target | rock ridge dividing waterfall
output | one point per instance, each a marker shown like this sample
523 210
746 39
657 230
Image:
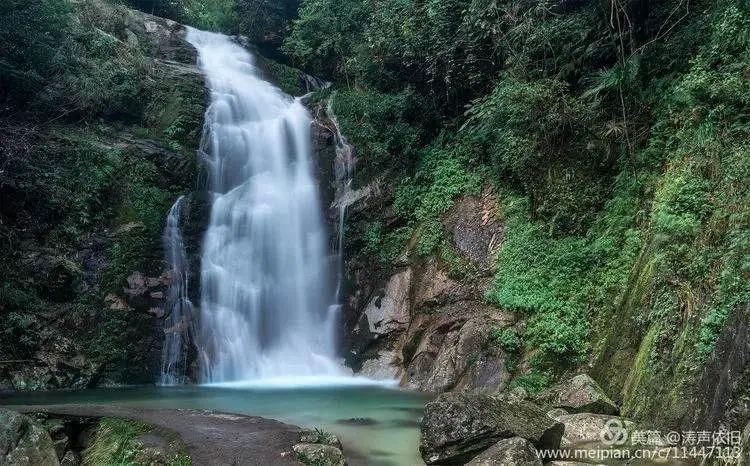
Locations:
268 300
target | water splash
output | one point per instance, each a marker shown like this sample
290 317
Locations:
179 309
266 288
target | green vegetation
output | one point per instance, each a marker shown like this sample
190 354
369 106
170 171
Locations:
97 142
211 15
116 442
615 137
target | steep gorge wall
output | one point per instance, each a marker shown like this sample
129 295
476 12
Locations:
84 198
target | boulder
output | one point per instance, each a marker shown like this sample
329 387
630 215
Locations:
581 394
23 442
318 454
321 437
584 429
457 426
514 451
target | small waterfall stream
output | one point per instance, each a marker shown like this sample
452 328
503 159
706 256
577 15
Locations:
344 165
179 309
267 297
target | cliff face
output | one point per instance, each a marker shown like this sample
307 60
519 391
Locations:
585 213
85 191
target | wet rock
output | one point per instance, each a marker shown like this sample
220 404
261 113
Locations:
514 451
318 454
23 442
581 394
457 426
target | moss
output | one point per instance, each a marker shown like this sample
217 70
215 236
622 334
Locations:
288 79
116 441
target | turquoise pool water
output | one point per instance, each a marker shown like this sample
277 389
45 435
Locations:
378 425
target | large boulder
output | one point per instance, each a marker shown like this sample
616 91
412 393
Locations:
581 394
318 454
586 429
457 426
514 451
23 442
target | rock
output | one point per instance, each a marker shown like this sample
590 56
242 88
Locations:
142 294
71 458
382 367
457 426
390 311
581 394
450 352
513 451
476 229
557 412
23 442
745 455
318 454
583 429
320 437
519 393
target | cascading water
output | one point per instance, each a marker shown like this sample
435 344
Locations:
179 310
266 294
344 165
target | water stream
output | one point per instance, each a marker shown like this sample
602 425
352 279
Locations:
268 304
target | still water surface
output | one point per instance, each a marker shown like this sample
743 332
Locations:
378 425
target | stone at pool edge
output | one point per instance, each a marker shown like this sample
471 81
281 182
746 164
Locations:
22 441
458 426
319 448
319 454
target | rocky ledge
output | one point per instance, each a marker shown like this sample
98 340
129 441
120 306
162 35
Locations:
71 434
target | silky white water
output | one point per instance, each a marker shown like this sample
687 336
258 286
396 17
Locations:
267 301
179 310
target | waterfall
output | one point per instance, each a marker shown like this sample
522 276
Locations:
344 164
179 309
267 300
